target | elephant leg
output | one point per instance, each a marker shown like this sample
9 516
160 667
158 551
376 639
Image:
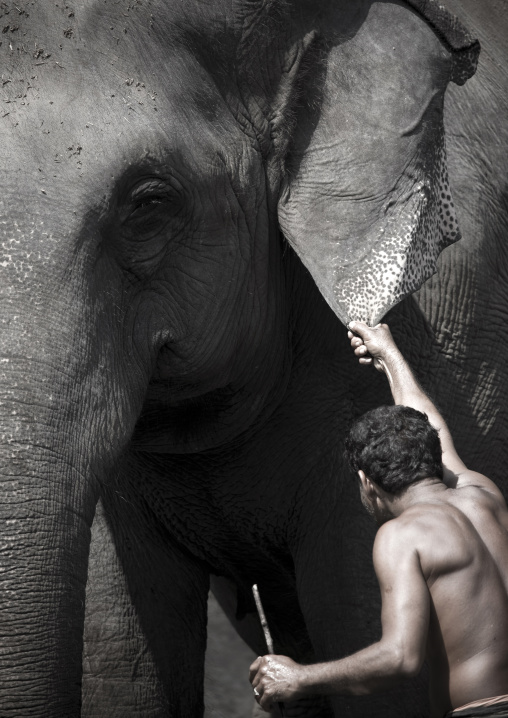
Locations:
118 666
145 621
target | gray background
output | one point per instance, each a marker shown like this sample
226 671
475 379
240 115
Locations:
228 693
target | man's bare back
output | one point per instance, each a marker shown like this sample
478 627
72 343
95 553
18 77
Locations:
461 538
440 556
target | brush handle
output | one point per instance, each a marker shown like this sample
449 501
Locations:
266 631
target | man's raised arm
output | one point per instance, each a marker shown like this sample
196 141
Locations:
375 345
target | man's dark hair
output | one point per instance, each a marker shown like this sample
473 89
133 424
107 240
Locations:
395 446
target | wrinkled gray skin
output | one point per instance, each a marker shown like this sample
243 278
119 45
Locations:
162 347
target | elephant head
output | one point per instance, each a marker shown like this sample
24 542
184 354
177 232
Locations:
151 154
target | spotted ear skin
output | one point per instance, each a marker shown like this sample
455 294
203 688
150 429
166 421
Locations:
407 247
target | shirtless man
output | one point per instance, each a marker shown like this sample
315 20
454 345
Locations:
440 556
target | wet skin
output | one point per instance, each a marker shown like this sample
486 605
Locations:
461 538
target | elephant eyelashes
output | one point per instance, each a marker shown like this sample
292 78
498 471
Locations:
146 203
152 200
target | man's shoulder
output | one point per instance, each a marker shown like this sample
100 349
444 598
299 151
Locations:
396 549
400 534
414 528
473 480
485 509
425 537
480 492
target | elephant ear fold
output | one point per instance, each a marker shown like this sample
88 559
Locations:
366 202
464 48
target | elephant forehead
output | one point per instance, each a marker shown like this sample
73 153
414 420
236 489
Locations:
104 60
125 35
75 123
72 116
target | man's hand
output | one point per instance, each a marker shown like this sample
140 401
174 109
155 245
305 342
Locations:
372 344
276 679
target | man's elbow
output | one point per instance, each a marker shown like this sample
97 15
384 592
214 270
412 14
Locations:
397 664
406 663
411 667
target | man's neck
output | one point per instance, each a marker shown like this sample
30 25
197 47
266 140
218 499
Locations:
424 491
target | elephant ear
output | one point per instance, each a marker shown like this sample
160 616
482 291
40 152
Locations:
366 203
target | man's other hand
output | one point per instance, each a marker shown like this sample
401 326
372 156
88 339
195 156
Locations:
372 345
276 679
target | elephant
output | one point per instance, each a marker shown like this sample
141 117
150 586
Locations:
195 197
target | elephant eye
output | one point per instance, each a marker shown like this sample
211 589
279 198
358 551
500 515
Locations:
152 197
148 202
150 211
144 208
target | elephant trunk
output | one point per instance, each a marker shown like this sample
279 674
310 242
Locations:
48 498
65 418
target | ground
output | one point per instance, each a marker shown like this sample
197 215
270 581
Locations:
228 693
